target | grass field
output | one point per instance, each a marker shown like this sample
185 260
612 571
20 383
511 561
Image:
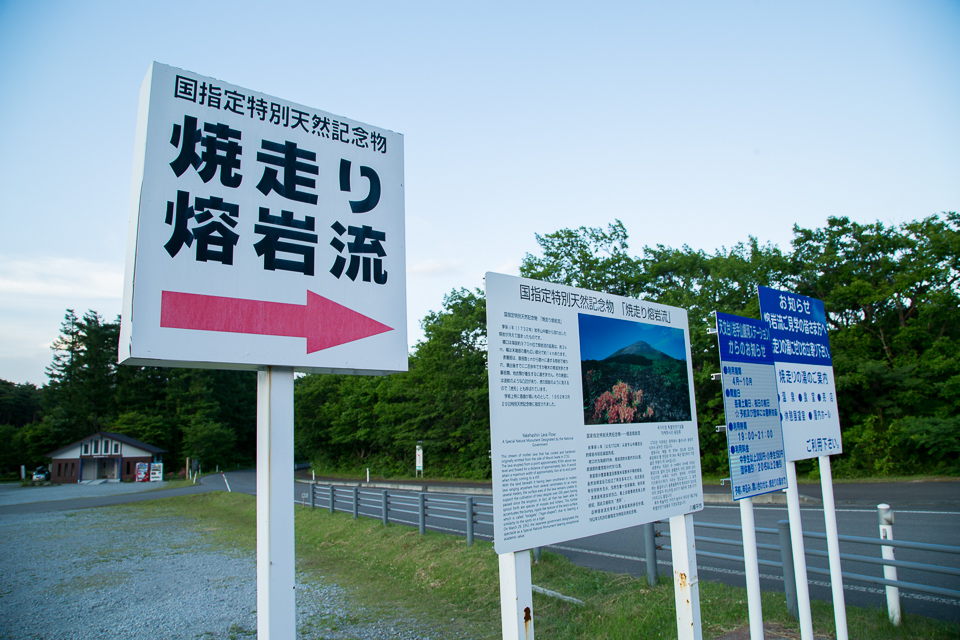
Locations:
444 584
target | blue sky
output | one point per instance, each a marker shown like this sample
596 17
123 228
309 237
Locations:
601 337
696 123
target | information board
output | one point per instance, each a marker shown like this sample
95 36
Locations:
592 416
804 366
752 408
262 233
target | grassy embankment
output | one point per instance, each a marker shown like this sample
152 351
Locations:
444 584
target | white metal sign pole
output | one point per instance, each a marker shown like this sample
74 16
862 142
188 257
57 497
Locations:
276 600
516 596
833 547
799 555
686 583
752 567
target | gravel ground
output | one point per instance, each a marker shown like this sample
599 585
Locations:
89 574
13 493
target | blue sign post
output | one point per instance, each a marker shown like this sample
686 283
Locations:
811 426
754 434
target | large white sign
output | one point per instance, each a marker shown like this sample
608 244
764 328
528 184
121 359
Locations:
262 232
752 407
804 365
593 422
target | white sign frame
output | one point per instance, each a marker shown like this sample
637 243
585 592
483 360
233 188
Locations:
540 436
300 263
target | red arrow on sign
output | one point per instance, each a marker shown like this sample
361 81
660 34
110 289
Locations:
323 322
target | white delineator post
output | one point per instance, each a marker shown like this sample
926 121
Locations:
833 547
516 596
886 552
686 582
752 568
799 554
276 600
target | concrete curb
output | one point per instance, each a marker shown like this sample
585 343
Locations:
776 497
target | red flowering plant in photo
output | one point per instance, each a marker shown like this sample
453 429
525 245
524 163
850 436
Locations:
620 405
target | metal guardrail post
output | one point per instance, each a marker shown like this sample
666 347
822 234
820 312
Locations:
383 498
469 515
313 496
650 552
333 498
890 573
537 551
356 502
650 535
789 577
422 508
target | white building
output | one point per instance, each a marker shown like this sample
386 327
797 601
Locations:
102 456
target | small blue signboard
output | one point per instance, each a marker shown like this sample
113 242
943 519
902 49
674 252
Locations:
751 405
804 373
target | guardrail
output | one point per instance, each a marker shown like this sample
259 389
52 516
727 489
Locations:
785 565
415 509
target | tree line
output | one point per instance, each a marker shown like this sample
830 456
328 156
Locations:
891 294
202 413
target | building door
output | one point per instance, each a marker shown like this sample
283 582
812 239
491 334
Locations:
106 468
88 469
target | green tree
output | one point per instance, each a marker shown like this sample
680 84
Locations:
449 370
209 442
891 295
82 374
191 405
351 422
19 403
588 258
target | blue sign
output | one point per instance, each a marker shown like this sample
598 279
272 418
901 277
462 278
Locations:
798 327
804 373
752 407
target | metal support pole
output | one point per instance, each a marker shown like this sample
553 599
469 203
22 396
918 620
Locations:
686 582
886 552
469 514
786 557
799 554
276 599
751 568
333 499
516 596
356 502
313 496
833 547
383 498
422 512
650 552
537 552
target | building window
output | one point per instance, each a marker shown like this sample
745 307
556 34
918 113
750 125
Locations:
116 447
96 447
86 448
